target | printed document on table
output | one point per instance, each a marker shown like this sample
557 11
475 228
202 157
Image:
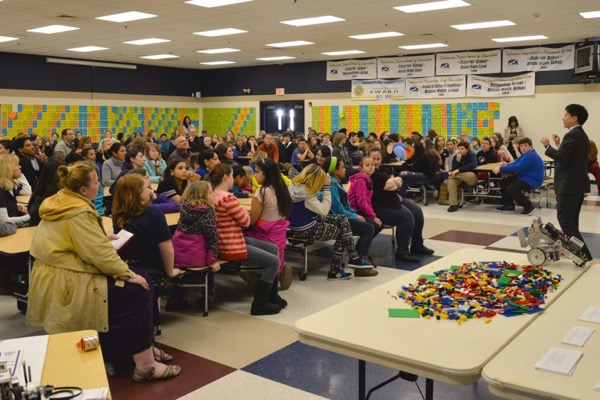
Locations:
578 336
560 361
591 314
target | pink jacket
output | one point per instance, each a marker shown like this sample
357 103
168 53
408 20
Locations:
360 195
271 231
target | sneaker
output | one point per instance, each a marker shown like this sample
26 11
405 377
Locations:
528 210
421 249
359 263
340 275
365 272
406 257
506 208
452 208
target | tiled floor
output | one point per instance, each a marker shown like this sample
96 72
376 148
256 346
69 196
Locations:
232 355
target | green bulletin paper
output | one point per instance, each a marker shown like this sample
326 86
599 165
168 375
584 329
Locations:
403 313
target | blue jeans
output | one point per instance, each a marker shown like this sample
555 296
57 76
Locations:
412 179
366 231
262 254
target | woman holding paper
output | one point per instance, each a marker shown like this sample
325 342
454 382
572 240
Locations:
79 282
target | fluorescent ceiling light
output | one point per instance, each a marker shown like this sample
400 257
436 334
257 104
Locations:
275 58
220 32
127 16
160 56
218 51
519 38
87 49
436 5
86 63
217 62
50 29
215 3
142 42
313 21
343 53
483 25
290 44
590 14
423 46
376 35
7 39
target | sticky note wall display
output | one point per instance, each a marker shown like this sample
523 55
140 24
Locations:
241 121
476 119
92 121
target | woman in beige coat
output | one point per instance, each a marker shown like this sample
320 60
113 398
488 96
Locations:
79 282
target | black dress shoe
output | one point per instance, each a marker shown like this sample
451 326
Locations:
506 208
406 256
421 249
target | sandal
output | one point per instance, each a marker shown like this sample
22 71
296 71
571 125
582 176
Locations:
171 372
162 356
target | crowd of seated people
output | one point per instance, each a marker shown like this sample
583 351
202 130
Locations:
294 183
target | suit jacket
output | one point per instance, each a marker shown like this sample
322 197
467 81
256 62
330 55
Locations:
27 169
570 173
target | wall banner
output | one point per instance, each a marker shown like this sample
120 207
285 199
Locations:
379 89
466 63
406 67
538 59
521 85
351 69
436 87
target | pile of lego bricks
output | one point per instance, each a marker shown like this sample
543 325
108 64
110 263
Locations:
480 290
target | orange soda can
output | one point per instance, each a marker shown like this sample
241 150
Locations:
88 343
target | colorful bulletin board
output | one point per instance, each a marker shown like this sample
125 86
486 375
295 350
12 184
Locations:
92 121
240 121
476 119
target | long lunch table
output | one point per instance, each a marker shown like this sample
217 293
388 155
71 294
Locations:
437 350
512 374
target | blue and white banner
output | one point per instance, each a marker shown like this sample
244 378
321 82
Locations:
351 69
379 89
466 63
538 59
406 67
482 86
436 87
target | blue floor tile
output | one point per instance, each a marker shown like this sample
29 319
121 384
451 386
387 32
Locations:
335 376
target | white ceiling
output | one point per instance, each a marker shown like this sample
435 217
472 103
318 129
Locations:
559 20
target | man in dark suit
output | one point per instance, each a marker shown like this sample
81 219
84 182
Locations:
570 174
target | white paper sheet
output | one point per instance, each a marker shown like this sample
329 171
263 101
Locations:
591 314
578 335
560 361
34 354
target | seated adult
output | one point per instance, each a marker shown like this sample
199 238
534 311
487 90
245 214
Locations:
79 282
30 166
393 209
112 167
151 244
225 153
463 164
181 152
47 186
528 174
134 158
10 172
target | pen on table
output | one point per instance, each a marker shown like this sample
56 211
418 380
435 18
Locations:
29 370
25 373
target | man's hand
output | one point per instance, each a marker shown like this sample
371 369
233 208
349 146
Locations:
545 141
556 139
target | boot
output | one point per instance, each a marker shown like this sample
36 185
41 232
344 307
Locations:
274 297
260 305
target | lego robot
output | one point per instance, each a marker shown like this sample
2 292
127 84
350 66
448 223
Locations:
549 243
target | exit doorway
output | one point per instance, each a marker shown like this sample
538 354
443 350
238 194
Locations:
278 116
